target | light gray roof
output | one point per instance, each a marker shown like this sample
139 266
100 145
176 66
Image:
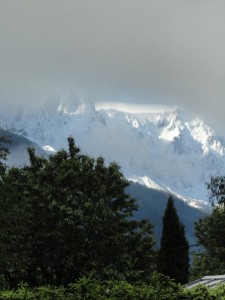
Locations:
209 281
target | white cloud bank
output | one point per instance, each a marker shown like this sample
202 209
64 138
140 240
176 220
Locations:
149 51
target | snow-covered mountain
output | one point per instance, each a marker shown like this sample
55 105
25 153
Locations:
162 148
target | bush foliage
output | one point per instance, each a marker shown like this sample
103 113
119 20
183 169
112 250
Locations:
90 288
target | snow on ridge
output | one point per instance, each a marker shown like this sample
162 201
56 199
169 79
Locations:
196 203
49 149
148 182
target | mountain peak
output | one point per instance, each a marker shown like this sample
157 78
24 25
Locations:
71 104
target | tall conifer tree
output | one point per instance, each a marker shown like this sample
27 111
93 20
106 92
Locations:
173 254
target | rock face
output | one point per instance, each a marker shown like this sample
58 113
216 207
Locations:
163 149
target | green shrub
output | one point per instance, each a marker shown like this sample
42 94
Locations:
90 288
22 293
87 288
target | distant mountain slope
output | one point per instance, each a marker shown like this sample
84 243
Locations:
164 148
18 148
152 204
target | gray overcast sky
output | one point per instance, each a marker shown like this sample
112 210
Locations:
157 51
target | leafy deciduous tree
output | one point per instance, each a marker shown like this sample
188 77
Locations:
210 233
68 215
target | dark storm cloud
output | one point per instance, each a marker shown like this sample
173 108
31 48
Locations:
167 51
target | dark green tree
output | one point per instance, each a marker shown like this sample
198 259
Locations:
174 249
68 215
210 233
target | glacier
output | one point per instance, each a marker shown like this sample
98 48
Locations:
160 147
